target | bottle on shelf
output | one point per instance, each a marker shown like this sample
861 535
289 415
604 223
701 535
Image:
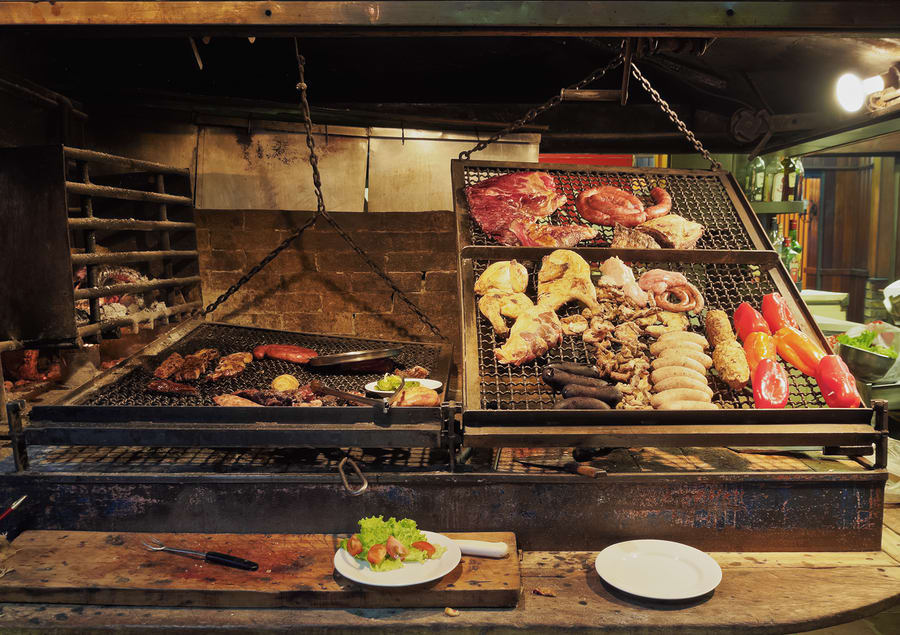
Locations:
774 179
786 253
797 250
775 236
789 180
753 179
799 174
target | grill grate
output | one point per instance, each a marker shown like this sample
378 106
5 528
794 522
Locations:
129 389
724 286
700 198
129 459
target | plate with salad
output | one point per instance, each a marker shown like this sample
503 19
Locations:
395 553
389 383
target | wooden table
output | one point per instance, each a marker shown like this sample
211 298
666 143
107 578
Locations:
759 593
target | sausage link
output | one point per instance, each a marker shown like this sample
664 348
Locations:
661 374
609 394
581 403
657 348
692 353
685 336
689 405
682 382
559 378
678 394
577 369
672 360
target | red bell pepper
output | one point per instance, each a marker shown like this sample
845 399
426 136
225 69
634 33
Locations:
759 346
748 320
798 350
776 312
837 383
770 385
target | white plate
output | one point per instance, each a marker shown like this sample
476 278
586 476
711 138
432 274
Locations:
425 383
410 573
658 569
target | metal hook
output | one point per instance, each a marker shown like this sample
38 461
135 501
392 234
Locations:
365 482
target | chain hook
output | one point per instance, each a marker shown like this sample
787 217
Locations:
365 483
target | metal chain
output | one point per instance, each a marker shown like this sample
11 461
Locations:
673 117
259 266
551 103
320 202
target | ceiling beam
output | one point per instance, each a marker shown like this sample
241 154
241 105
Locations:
709 18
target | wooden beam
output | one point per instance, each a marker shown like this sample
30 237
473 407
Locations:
640 17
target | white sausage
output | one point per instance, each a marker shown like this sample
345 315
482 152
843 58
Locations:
672 360
682 382
685 336
689 405
693 353
661 374
657 348
678 394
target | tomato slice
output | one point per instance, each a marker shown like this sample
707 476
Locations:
427 547
376 553
354 545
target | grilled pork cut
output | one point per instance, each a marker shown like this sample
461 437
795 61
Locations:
231 365
533 235
673 231
195 364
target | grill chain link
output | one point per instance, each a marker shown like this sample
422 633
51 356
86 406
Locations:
673 117
321 212
551 103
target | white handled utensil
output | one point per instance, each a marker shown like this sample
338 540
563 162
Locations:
483 548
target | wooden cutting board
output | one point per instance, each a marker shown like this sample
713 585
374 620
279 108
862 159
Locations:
295 570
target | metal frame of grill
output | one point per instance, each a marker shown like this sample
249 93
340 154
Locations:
152 421
508 406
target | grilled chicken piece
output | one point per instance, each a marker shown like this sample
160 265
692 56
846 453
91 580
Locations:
506 276
233 400
195 364
673 231
627 238
230 365
169 367
495 306
418 396
565 276
167 387
536 330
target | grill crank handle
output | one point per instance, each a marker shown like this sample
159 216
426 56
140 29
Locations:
362 477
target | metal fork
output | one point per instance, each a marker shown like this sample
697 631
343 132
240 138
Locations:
212 557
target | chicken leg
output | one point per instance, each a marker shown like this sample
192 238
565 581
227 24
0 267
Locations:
535 331
495 306
505 276
565 276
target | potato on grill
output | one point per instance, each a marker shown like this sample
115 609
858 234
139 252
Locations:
730 362
718 328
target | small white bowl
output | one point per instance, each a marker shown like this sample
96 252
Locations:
425 383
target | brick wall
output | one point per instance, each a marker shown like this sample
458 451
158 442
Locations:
320 284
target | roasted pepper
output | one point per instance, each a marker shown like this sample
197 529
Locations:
776 312
837 383
748 320
770 384
798 350
759 346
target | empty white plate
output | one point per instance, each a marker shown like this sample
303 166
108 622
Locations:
658 569
425 383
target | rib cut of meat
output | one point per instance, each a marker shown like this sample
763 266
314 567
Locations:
496 202
533 235
194 364
169 367
231 365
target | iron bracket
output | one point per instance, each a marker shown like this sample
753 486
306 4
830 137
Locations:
880 407
14 410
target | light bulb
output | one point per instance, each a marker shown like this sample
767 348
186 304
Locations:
850 92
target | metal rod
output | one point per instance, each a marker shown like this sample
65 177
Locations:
164 238
127 224
105 191
569 94
90 242
137 318
112 159
136 287
130 256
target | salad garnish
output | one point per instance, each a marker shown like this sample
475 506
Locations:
388 544
392 382
866 341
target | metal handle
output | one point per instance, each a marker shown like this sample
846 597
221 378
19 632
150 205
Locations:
365 483
226 560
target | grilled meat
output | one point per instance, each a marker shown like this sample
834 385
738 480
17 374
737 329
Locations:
731 364
662 203
718 328
565 276
230 365
534 333
533 235
416 372
233 400
673 231
166 387
608 205
195 364
498 201
626 238
267 397
505 276
617 273
287 352
496 306
418 396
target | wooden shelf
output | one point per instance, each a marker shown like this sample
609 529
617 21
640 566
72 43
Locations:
779 207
